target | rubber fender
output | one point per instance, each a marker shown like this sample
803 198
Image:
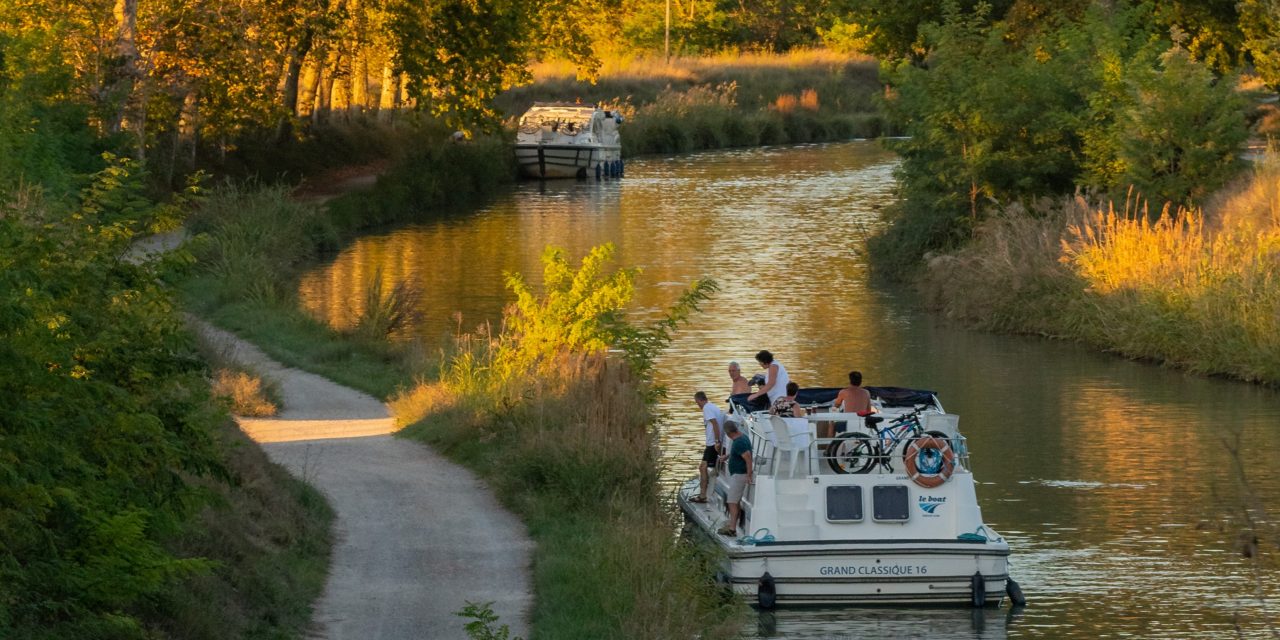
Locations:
767 592
1014 592
978 589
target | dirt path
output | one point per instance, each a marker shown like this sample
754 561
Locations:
416 535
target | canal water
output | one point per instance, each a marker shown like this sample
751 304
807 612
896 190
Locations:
1112 480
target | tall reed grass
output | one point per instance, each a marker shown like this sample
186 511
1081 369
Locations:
1196 289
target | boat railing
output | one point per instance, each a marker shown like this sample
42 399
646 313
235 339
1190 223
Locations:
771 449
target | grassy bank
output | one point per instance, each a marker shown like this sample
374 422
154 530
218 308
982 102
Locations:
1199 289
252 241
574 457
724 100
563 434
266 535
566 437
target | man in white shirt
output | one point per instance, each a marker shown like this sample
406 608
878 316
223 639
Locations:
713 420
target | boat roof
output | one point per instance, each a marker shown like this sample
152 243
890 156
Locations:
888 396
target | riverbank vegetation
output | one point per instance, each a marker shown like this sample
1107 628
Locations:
1195 288
1065 178
565 434
720 100
128 507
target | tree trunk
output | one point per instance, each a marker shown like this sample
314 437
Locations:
390 91
340 95
189 128
359 83
404 100
324 94
289 97
124 71
306 103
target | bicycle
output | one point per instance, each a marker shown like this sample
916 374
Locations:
856 452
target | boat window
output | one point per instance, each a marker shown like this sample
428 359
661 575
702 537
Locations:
844 504
891 503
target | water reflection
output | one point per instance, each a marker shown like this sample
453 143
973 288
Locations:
1110 478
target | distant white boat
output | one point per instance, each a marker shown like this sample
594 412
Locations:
862 518
565 140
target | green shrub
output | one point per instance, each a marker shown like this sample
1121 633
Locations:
106 416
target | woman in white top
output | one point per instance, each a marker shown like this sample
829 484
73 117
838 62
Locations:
775 378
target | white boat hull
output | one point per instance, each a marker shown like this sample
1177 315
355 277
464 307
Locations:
564 160
890 571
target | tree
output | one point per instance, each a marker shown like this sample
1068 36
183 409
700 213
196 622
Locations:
1183 136
1260 25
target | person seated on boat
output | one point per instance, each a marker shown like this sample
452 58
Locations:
852 399
740 469
740 384
713 421
775 378
786 406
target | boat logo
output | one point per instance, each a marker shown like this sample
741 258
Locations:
929 504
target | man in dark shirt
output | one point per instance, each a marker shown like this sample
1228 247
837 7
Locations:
740 467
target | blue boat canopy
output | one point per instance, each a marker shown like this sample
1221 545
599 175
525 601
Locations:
888 396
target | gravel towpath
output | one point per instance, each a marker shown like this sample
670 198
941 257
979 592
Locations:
416 535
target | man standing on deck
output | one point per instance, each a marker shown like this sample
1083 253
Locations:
740 384
713 419
740 466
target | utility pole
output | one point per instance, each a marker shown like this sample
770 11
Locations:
666 38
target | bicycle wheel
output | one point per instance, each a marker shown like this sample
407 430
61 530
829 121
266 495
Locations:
851 453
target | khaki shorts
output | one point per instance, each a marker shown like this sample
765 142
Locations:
737 487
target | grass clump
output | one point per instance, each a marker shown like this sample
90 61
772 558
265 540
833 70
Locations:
1194 288
246 393
564 432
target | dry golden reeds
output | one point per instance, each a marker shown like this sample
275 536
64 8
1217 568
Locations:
1198 289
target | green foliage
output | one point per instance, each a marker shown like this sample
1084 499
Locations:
482 620
1182 137
581 311
894 30
995 119
42 137
105 414
568 442
576 311
1260 24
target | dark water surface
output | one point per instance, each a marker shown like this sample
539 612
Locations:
1110 479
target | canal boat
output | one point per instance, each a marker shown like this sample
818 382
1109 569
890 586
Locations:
857 518
565 140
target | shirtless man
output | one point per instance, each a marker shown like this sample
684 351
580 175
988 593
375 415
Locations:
740 384
852 399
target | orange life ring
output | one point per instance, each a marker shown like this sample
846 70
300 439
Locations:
936 473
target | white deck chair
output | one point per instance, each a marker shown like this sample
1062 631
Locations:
794 435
